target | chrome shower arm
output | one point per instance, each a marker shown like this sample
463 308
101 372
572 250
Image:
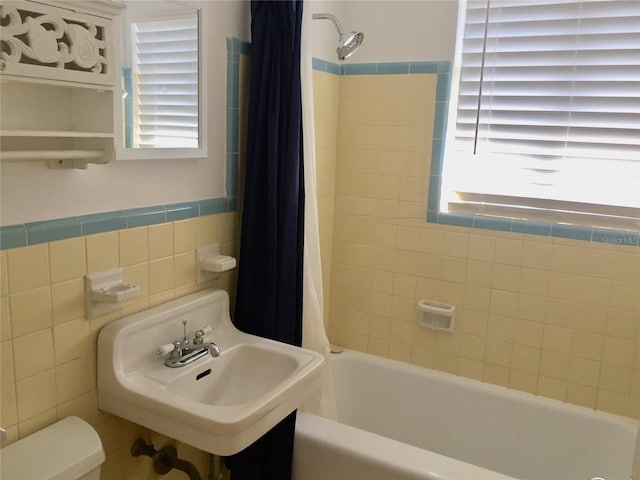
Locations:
328 16
347 44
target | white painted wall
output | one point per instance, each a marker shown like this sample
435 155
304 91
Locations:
395 30
29 191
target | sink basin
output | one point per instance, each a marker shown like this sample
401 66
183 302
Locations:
220 405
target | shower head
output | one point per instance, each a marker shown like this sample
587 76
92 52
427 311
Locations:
347 43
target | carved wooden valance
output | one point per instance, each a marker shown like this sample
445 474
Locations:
48 42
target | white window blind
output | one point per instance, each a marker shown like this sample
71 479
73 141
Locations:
165 83
549 99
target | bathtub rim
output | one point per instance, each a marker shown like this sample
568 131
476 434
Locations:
358 443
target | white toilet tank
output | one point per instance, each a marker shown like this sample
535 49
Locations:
67 450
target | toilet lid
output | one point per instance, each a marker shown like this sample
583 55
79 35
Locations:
65 450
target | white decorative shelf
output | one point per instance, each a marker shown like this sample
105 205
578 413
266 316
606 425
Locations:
19 155
57 72
54 133
59 158
66 84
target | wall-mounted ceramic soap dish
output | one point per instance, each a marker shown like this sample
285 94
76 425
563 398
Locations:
436 315
105 292
210 263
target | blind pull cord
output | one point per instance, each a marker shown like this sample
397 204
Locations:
484 52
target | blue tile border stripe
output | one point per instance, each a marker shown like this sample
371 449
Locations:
13 236
51 230
182 211
600 235
103 222
40 232
386 68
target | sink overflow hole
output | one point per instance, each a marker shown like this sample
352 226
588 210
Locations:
203 374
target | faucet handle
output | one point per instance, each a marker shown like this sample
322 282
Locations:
205 330
198 338
165 349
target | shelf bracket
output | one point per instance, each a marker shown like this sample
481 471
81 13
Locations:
67 163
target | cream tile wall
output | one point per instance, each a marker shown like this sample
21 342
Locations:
549 316
48 347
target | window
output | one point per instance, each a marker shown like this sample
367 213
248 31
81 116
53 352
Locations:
165 83
544 120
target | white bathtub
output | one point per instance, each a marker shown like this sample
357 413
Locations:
402 422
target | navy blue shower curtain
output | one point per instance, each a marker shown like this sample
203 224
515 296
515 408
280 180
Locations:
269 293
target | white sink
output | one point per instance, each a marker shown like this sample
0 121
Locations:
220 405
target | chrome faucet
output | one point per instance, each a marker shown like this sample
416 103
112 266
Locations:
183 352
198 341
